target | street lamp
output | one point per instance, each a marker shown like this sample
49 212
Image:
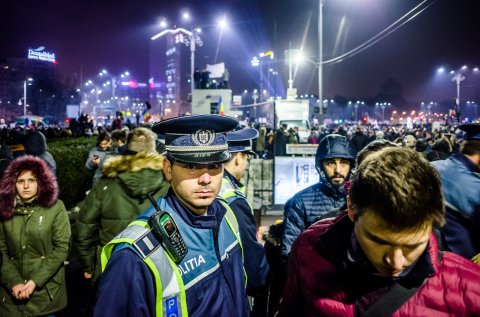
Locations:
255 97
97 91
25 95
458 77
474 104
383 105
113 82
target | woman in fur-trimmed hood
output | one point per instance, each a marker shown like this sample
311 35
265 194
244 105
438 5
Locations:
34 240
47 184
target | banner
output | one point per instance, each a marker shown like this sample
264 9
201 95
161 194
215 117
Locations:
216 70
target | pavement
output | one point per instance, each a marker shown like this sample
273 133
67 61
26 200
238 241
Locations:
270 217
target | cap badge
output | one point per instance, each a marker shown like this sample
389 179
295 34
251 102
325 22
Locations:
203 137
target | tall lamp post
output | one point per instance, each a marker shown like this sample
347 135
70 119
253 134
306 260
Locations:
114 81
25 95
320 53
356 111
458 78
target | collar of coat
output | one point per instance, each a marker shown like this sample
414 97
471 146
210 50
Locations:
132 163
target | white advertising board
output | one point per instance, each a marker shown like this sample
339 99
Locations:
292 174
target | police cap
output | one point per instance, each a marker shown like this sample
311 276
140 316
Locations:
241 140
472 131
197 139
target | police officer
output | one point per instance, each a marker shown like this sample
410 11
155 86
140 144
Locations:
147 271
233 191
460 175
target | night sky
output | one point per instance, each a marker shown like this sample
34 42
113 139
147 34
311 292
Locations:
115 34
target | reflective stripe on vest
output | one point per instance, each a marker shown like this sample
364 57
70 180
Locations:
230 192
170 292
233 223
170 289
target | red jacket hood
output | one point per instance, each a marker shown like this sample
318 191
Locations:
47 184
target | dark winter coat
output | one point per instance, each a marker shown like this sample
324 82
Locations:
255 261
34 241
319 285
115 200
319 201
461 189
359 141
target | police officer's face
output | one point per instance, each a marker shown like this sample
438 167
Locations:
336 170
195 185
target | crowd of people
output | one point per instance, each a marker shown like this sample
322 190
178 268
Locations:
434 144
391 228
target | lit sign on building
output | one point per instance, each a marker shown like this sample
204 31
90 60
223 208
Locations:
170 51
180 38
41 55
133 84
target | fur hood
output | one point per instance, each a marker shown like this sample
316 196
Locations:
47 184
132 163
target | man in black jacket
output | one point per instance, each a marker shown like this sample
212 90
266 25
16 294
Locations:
359 139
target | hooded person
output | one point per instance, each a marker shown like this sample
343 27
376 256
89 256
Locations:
334 160
34 240
118 197
35 144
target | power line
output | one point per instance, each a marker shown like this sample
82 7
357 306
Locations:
410 15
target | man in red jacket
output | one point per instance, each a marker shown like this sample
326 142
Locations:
384 244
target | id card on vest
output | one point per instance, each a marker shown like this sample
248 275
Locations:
171 307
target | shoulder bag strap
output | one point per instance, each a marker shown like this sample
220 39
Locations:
391 301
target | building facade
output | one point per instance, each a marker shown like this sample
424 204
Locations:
169 81
38 65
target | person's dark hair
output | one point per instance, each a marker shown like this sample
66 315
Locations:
372 147
103 137
470 147
120 135
420 145
400 187
442 145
